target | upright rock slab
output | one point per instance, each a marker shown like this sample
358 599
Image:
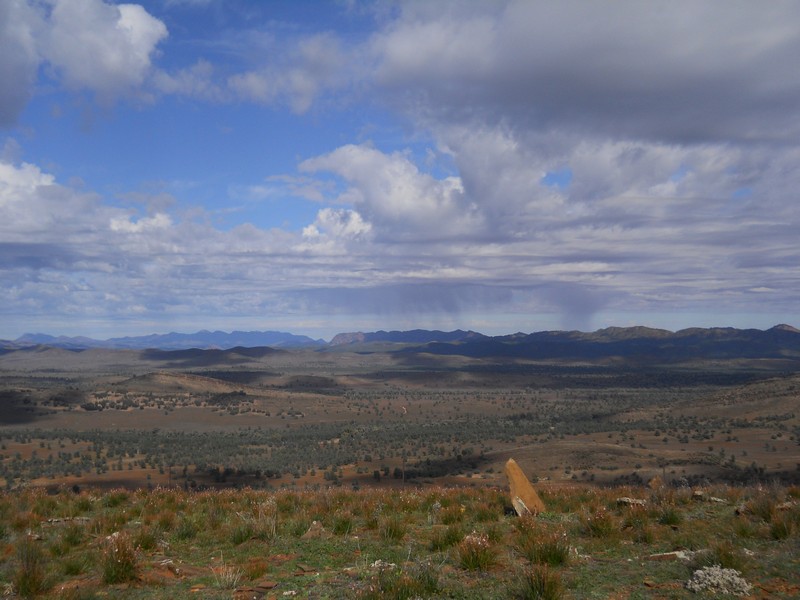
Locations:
523 497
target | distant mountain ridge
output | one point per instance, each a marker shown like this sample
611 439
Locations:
635 343
415 336
177 341
781 341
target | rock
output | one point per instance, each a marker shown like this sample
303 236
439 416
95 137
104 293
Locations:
247 593
265 584
315 531
523 497
625 501
670 556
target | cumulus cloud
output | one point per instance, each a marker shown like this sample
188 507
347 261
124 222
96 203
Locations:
339 223
677 124
392 193
126 225
106 49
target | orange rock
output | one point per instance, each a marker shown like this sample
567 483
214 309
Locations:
523 497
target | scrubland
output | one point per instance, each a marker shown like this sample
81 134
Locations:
414 542
380 475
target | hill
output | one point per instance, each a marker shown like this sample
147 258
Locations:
413 337
635 343
174 341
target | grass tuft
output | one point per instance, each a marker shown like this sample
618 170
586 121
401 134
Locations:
476 553
29 577
539 583
118 560
543 548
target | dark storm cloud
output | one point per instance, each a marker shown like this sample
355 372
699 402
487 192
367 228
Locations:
683 72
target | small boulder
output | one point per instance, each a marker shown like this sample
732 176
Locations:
523 497
625 501
315 531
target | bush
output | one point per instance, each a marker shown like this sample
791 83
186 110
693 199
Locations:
392 529
717 580
29 577
670 516
600 524
475 552
390 583
543 548
186 529
343 524
722 554
118 560
539 583
781 527
443 538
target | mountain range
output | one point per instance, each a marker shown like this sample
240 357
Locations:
779 342
174 341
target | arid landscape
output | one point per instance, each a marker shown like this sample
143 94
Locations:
375 468
388 413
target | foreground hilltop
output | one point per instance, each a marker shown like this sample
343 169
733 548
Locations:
428 542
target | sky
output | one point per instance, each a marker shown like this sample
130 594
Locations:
321 167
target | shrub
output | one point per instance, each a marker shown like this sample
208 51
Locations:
445 537
600 524
717 580
74 565
781 527
166 520
392 529
722 554
539 583
118 559
186 529
227 577
670 516
29 577
762 506
145 538
453 514
544 548
343 524
73 535
241 532
391 583
475 552
267 520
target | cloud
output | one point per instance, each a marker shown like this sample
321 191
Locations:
392 194
685 73
196 81
339 223
296 77
19 58
101 47
678 127
106 49
125 225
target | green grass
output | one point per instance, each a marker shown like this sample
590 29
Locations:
374 543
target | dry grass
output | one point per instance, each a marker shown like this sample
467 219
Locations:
379 544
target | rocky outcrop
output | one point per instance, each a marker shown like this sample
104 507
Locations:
523 497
